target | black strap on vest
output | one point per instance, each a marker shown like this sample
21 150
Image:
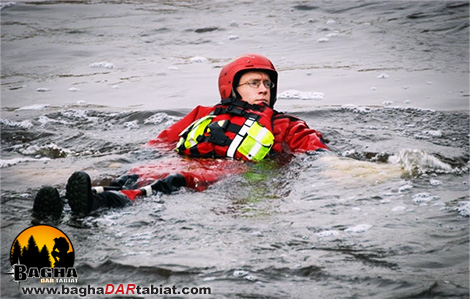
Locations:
217 129
233 107
217 133
238 108
244 105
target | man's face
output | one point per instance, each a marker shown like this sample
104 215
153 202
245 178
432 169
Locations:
254 88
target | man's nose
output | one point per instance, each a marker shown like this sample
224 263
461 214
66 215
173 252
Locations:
262 88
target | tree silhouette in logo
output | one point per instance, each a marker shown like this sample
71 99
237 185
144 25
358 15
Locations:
30 256
37 253
44 258
15 255
60 255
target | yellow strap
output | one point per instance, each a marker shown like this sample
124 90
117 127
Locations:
193 131
253 140
257 143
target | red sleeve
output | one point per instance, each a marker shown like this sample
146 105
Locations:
171 134
198 173
292 135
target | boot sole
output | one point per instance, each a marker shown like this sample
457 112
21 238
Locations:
47 203
79 193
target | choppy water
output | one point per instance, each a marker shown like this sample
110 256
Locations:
385 215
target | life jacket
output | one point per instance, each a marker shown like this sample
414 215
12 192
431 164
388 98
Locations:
234 129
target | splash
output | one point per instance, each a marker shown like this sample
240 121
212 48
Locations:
416 162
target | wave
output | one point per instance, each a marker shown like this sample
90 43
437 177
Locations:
417 162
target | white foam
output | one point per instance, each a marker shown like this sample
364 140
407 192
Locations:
102 65
25 124
464 208
434 133
40 150
360 228
323 40
328 233
34 107
293 94
355 108
240 273
76 114
14 161
73 89
233 37
405 188
46 120
6 5
160 117
198 59
383 76
423 198
131 125
413 161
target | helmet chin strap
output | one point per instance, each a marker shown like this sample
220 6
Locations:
235 94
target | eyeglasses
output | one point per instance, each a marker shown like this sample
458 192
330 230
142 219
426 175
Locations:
257 83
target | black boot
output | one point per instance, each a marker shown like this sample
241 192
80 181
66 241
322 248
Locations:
79 193
111 199
83 200
47 203
170 184
128 181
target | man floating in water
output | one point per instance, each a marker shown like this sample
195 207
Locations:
243 126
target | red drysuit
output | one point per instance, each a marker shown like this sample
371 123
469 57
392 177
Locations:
291 135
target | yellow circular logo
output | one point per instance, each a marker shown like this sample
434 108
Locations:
42 246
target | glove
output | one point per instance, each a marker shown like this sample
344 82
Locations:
169 184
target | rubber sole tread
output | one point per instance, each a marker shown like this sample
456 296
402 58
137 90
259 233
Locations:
79 193
47 203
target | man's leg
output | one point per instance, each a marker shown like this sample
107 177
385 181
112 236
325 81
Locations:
48 203
83 200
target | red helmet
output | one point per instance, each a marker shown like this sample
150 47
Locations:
231 73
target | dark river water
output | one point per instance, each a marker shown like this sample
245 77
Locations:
385 214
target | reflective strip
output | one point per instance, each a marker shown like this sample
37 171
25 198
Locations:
254 150
246 126
191 138
257 144
234 145
148 190
239 137
193 131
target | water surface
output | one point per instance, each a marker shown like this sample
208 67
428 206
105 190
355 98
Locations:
384 215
